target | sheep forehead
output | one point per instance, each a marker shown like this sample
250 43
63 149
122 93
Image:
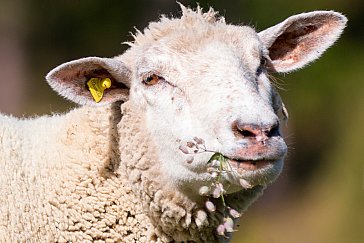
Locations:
192 29
242 39
193 47
173 40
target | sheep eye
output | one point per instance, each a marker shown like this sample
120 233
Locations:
152 80
263 62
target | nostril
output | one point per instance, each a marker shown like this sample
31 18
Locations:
255 131
274 131
246 130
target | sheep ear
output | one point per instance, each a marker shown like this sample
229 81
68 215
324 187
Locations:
302 38
70 79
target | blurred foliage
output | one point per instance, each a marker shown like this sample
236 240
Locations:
320 195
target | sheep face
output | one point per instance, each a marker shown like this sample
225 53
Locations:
201 81
218 91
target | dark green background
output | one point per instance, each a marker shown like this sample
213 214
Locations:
320 194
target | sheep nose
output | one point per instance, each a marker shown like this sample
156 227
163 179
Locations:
257 132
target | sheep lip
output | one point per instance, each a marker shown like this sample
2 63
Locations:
250 164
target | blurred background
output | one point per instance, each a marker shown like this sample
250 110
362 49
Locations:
320 195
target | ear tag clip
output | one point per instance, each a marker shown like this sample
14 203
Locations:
97 87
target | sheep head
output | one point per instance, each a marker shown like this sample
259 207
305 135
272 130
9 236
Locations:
200 81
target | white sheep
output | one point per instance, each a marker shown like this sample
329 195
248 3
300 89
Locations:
131 167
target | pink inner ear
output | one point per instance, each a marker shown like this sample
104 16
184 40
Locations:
303 41
290 44
70 80
75 77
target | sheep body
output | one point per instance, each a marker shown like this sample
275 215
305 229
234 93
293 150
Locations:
57 193
77 189
57 164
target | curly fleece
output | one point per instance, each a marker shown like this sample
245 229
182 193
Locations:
92 175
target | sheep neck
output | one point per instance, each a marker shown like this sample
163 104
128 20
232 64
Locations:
173 215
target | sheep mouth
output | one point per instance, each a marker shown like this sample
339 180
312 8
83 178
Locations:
250 165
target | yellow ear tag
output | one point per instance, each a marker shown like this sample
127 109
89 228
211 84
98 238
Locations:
97 87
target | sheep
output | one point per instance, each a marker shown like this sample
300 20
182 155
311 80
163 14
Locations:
173 140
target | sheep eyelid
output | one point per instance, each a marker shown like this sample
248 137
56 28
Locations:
151 79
